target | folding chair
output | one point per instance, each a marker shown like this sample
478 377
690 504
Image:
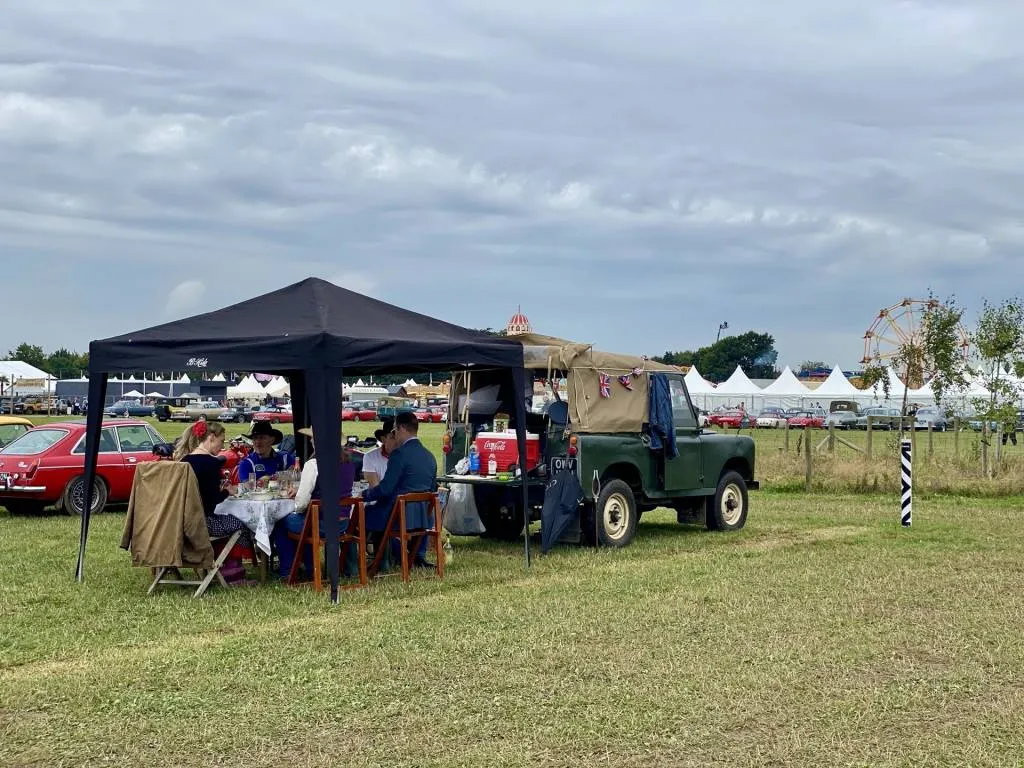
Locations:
165 528
170 575
354 533
409 539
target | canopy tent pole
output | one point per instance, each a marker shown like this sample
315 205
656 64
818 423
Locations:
519 384
93 427
324 393
300 413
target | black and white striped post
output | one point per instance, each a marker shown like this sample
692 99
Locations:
906 469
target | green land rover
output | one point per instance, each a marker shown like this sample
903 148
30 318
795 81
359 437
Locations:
597 424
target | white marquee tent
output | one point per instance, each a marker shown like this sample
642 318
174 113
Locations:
787 391
247 389
837 387
738 388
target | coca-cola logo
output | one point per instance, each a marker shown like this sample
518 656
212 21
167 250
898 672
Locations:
494 445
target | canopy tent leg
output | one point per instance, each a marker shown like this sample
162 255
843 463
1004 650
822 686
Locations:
324 397
519 384
94 425
300 413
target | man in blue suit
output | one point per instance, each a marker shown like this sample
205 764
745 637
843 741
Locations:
412 468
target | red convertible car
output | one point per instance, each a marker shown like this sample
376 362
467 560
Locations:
45 465
813 419
275 414
430 415
734 419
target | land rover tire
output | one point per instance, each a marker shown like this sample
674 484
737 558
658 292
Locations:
616 513
73 499
727 509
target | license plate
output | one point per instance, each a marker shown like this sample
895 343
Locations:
559 463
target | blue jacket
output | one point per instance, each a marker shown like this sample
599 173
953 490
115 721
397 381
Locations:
660 420
411 469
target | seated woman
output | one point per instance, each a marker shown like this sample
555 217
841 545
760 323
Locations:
308 491
200 447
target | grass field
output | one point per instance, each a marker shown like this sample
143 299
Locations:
821 634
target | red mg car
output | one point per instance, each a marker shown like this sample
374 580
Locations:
814 419
45 465
732 419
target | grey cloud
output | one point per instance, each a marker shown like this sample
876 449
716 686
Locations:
790 167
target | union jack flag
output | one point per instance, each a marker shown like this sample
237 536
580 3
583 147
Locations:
605 384
625 381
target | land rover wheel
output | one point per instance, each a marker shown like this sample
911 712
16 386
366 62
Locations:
616 514
73 500
727 509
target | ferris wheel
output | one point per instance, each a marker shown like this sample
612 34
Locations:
899 325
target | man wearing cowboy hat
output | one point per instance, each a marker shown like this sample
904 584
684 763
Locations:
263 460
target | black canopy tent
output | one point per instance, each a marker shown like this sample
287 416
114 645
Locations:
313 332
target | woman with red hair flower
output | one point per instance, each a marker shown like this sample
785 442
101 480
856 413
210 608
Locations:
200 448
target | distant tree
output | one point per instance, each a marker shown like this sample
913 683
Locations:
753 352
812 365
999 350
64 363
29 353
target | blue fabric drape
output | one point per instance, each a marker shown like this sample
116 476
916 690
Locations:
662 428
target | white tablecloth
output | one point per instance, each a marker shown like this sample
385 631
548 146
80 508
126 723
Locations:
258 515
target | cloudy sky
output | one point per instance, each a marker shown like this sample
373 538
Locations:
632 173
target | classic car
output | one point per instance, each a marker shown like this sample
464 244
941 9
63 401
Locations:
12 427
431 415
730 419
34 404
207 409
348 413
236 414
842 414
128 409
275 414
366 413
45 465
771 418
932 416
812 418
882 417
173 408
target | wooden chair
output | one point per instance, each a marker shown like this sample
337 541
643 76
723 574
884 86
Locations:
409 540
354 533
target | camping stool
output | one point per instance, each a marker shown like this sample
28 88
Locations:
410 539
354 533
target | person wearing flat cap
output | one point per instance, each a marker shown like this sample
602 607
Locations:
309 490
263 460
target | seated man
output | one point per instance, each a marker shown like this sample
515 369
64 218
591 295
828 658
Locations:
263 460
411 468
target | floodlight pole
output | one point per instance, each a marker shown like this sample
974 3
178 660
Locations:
721 327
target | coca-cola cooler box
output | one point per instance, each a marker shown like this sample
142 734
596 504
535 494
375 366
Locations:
505 448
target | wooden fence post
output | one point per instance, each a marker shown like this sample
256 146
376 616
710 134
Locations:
831 438
984 447
807 458
867 447
956 437
931 443
999 444
785 429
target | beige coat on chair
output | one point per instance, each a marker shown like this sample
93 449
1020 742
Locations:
165 524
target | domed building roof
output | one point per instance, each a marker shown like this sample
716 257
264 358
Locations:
518 324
